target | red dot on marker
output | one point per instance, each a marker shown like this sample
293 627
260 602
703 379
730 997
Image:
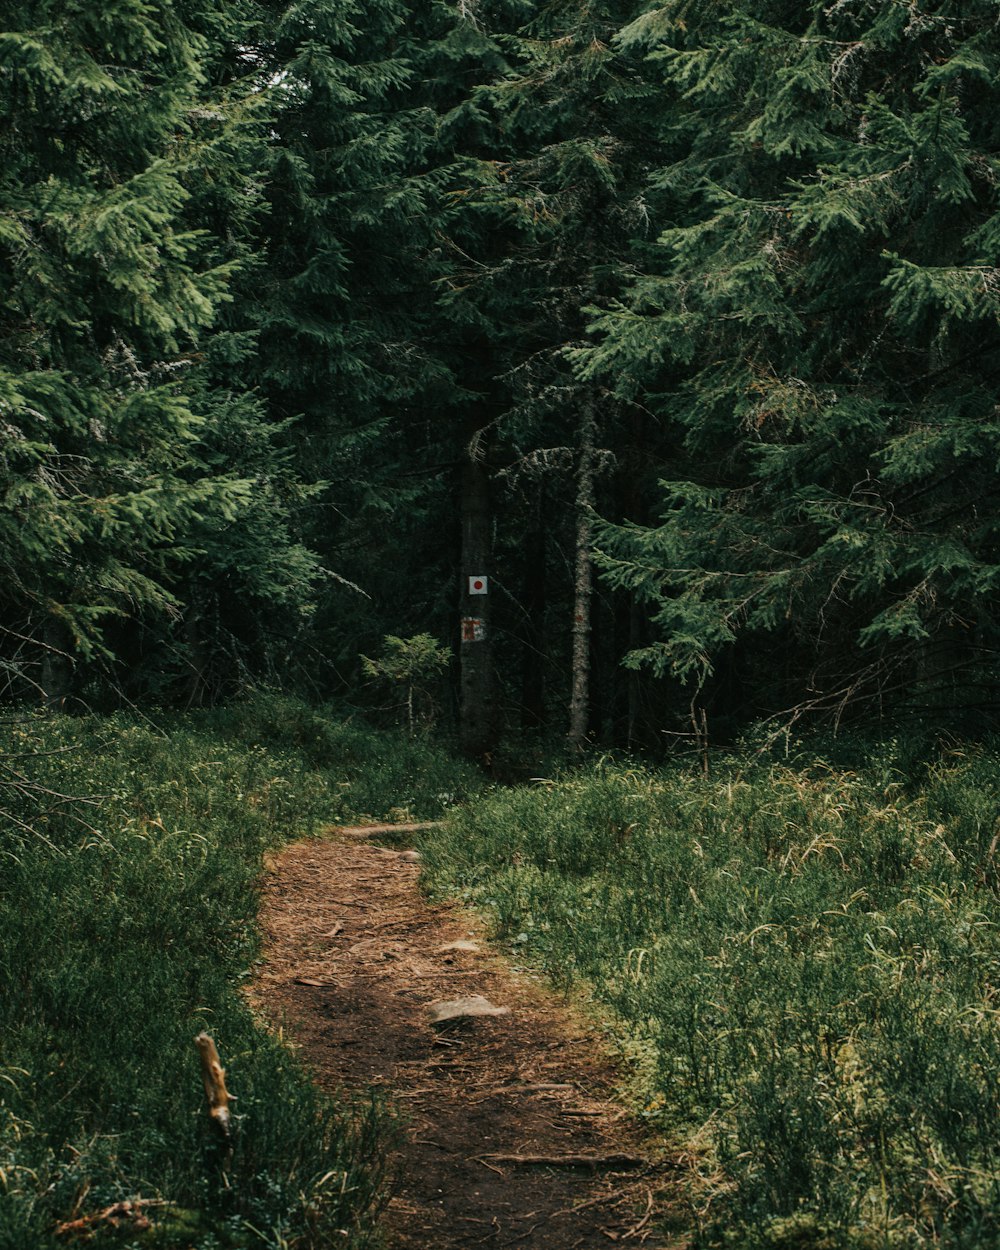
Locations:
477 585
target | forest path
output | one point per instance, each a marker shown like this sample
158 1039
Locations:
354 956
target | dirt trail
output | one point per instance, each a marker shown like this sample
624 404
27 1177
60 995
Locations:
354 957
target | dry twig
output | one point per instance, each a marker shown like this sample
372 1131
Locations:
132 1210
613 1160
214 1076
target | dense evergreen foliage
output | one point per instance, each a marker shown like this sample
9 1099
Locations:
608 371
128 203
819 326
311 309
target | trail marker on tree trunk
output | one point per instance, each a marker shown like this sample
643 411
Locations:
477 714
473 629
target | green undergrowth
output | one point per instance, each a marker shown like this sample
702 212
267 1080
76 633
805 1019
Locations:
805 962
367 774
129 859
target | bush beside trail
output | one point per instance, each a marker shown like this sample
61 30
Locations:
802 961
129 861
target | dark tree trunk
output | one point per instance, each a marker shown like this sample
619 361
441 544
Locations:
477 712
57 663
534 653
579 707
194 683
635 640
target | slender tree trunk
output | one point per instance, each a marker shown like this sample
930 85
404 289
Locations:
477 714
634 509
194 683
57 664
635 623
579 707
534 655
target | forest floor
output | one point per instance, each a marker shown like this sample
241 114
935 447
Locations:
511 1132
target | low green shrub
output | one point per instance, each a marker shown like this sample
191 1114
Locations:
370 773
808 956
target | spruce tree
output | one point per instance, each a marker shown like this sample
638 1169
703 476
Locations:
818 331
119 119
343 303
574 111
384 184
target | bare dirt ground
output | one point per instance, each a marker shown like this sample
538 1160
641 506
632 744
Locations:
512 1135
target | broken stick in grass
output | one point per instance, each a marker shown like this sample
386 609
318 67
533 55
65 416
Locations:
610 1161
130 1212
214 1076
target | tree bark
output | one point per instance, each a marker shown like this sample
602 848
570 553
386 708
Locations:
533 653
635 623
477 713
579 707
194 682
57 663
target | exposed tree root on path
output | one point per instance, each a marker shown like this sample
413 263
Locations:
512 1134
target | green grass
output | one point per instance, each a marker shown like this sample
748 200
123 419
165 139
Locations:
806 961
128 925
369 774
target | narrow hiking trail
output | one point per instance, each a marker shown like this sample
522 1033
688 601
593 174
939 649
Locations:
511 1132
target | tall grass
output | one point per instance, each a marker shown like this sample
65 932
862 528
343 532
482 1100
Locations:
369 774
809 960
128 925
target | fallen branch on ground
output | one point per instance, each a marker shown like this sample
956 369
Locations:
131 1210
571 1161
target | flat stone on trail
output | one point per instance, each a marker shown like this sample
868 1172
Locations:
460 1008
461 945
